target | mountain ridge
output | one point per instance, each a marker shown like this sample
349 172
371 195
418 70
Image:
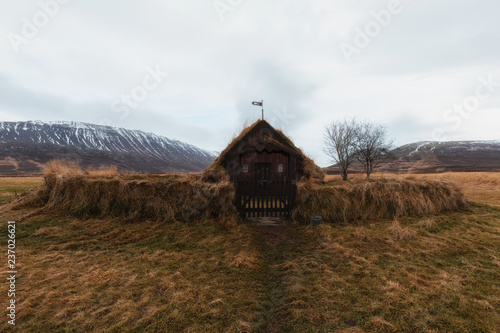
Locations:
26 146
439 156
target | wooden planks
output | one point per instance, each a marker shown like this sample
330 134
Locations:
264 197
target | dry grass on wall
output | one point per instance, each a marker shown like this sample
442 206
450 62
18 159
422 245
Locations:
480 187
375 200
107 194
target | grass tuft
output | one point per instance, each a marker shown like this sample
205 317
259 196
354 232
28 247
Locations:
401 233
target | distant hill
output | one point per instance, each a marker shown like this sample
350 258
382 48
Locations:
26 146
432 156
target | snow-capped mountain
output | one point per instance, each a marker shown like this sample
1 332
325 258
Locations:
25 146
451 147
433 156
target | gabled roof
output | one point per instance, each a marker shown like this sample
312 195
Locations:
277 141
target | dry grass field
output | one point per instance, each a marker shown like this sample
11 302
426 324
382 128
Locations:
438 273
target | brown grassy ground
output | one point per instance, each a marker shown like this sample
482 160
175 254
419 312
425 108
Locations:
438 273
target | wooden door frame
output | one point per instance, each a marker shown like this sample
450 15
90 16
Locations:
255 204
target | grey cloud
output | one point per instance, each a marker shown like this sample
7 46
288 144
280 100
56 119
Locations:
451 36
286 53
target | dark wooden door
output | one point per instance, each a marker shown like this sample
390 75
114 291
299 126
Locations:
265 193
263 182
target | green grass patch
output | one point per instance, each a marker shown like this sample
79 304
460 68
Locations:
10 187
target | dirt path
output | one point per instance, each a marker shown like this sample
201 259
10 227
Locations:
273 242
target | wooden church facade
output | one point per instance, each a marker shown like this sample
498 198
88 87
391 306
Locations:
264 166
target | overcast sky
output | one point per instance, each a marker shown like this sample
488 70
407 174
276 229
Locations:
189 70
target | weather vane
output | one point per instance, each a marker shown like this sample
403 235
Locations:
261 103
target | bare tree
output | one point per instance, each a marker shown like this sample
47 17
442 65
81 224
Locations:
340 143
372 146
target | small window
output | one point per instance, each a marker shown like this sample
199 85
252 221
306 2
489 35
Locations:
280 167
245 168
